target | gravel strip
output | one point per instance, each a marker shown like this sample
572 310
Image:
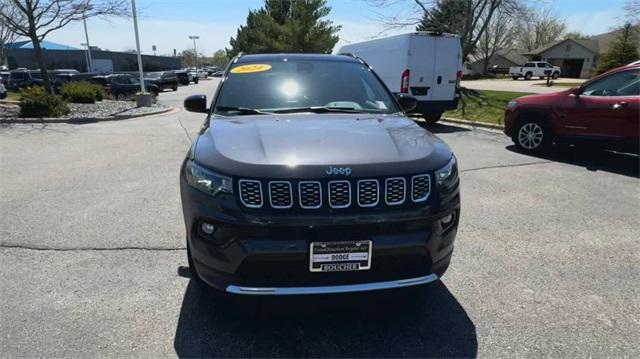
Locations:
102 110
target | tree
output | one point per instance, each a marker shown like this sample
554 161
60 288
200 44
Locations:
36 19
188 58
575 35
467 18
220 59
286 26
538 27
6 34
497 36
623 50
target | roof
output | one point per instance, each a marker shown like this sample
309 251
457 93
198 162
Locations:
295 57
514 56
44 44
589 44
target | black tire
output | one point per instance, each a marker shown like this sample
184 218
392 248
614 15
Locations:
542 77
432 117
515 78
555 75
175 87
528 76
533 135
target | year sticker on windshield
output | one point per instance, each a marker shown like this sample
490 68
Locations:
244 69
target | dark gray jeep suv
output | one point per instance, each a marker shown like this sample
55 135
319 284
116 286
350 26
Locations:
308 178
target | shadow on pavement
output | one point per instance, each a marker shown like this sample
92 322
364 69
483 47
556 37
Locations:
424 321
592 159
442 128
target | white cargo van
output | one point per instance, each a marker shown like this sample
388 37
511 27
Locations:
424 65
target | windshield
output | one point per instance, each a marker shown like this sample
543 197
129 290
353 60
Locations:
153 75
301 86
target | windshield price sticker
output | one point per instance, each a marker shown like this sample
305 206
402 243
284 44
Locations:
246 69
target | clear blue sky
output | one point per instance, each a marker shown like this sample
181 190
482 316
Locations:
168 23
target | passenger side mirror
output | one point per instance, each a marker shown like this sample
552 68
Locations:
576 91
407 103
196 103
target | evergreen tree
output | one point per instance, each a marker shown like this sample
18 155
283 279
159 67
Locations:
286 26
446 16
622 51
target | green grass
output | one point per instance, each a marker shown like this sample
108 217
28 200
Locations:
488 107
13 95
564 84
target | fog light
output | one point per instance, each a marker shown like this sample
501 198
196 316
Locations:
447 219
207 228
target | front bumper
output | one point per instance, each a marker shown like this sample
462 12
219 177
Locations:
268 254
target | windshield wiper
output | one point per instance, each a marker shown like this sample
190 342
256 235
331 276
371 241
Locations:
242 110
318 109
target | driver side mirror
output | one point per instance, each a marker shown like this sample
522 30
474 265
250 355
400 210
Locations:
407 103
196 103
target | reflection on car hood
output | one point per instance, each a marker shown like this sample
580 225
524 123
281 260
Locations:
266 145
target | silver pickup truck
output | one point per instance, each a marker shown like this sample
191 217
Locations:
531 69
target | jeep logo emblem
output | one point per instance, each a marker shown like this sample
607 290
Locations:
338 171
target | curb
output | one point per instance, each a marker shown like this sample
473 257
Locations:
458 121
84 120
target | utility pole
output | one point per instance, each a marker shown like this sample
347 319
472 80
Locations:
86 36
135 26
195 51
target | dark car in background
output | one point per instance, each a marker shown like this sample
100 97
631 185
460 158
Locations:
123 86
603 111
163 79
182 77
309 178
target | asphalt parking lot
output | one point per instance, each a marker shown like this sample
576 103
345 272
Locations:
92 258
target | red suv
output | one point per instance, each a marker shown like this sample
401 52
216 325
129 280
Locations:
605 109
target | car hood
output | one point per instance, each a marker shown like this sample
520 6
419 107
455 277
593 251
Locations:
305 145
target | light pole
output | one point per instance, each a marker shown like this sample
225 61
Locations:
195 51
135 26
86 57
86 36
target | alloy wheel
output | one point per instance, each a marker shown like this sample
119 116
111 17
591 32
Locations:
530 136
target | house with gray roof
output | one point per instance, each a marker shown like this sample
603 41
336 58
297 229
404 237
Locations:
501 60
576 58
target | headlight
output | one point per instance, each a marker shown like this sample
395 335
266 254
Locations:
207 181
448 172
511 104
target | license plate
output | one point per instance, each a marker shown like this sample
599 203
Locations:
340 256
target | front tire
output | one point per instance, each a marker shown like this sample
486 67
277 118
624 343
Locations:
528 76
432 117
555 75
533 136
515 78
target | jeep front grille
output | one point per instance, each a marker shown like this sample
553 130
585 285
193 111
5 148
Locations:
420 188
394 190
368 193
280 194
250 193
310 194
339 194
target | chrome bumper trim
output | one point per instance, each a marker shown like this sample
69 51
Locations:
349 288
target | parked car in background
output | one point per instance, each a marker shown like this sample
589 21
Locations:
604 110
211 70
218 73
531 69
424 65
182 77
200 74
123 86
164 80
23 78
3 90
